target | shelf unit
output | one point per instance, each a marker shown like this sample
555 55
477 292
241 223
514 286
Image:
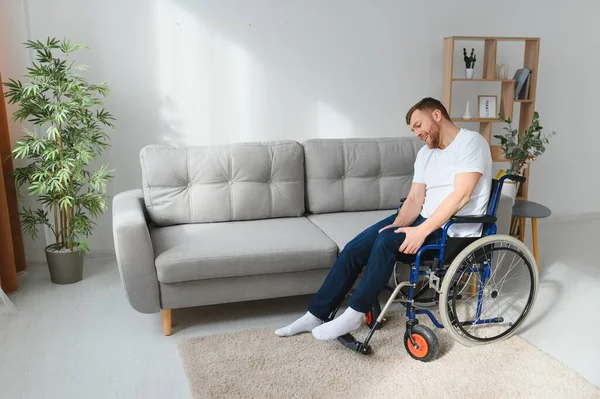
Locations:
507 101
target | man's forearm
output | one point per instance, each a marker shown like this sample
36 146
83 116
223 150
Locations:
448 208
409 212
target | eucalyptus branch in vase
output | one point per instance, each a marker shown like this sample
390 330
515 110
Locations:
520 149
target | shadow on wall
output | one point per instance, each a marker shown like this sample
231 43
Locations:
206 82
261 86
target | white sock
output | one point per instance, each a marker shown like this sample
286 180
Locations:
303 324
348 321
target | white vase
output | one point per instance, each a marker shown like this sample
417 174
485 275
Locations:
467 114
503 71
469 73
509 189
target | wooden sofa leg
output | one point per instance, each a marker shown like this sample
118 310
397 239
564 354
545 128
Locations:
166 321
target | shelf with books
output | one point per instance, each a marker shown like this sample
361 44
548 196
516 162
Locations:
524 81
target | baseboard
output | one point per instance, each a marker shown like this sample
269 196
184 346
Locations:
92 255
101 255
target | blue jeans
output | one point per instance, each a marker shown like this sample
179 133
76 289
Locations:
378 251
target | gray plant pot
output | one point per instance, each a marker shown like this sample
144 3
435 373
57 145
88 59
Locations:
65 267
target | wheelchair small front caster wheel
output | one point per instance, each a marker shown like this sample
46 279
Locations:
427 343
373 314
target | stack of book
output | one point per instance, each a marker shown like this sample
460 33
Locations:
522 78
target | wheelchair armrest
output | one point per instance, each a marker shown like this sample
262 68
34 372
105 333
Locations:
474 219
401 203
516 178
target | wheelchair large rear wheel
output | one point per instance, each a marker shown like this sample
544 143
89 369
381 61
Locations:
503 284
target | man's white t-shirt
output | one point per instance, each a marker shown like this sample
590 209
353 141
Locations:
436 168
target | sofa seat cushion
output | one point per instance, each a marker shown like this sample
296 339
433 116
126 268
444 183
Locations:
342 227
240 248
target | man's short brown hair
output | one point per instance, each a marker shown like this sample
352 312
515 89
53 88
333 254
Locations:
430 104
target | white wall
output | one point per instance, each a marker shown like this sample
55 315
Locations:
206 72
13 61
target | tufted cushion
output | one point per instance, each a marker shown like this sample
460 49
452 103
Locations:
238 181
358 174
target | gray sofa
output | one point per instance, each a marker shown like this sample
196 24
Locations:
247 221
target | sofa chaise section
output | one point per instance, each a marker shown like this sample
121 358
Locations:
342 227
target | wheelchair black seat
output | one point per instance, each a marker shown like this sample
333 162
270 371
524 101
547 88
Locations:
454 245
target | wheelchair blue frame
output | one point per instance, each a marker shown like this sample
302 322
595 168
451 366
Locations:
490 229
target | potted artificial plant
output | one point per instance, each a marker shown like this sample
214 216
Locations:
521 149
469 63
67 113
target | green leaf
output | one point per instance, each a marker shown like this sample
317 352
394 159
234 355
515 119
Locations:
82 67
65 202
520 149
52 132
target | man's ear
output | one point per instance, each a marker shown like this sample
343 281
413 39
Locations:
437 115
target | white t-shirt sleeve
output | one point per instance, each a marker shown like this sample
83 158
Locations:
419 175
474 156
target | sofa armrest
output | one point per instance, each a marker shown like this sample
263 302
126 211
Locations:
135 255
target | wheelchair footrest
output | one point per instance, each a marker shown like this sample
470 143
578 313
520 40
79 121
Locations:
349 342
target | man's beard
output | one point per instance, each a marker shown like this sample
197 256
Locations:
434 137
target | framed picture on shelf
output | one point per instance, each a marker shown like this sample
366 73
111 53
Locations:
487 105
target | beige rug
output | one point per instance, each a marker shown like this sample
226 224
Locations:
259 364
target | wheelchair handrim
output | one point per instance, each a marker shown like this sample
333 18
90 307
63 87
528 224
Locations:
443 305
517 323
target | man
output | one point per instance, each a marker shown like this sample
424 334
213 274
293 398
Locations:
452 175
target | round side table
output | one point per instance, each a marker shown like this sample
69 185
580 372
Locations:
522 210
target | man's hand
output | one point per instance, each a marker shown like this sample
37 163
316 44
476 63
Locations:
389 226
400 222
415 237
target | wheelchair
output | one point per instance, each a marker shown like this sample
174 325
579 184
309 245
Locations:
465 278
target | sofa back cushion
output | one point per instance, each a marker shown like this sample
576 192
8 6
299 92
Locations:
219 183
358 174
